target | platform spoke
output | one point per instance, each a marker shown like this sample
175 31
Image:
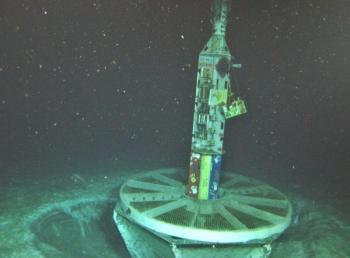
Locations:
195 214
233 181
150 197
231 175
236 223
151 186
261 189
274 203
254 212
168 180
166 208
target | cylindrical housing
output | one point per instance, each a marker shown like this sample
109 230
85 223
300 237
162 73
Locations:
204 176
212 92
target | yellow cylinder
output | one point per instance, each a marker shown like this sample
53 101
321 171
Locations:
205 170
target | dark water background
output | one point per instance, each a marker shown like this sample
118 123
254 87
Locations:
88 84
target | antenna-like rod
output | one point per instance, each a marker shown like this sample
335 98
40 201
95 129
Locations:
219 13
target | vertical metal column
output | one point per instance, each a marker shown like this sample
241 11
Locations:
214 102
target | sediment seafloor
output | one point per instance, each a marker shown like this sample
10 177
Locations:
70 215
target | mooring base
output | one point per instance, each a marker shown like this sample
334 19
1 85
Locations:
157 219
142 242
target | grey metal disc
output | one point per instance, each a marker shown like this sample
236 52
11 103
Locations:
247 210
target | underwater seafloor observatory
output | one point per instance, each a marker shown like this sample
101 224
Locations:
123 131
207 213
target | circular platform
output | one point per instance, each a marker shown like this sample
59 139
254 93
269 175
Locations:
247 210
